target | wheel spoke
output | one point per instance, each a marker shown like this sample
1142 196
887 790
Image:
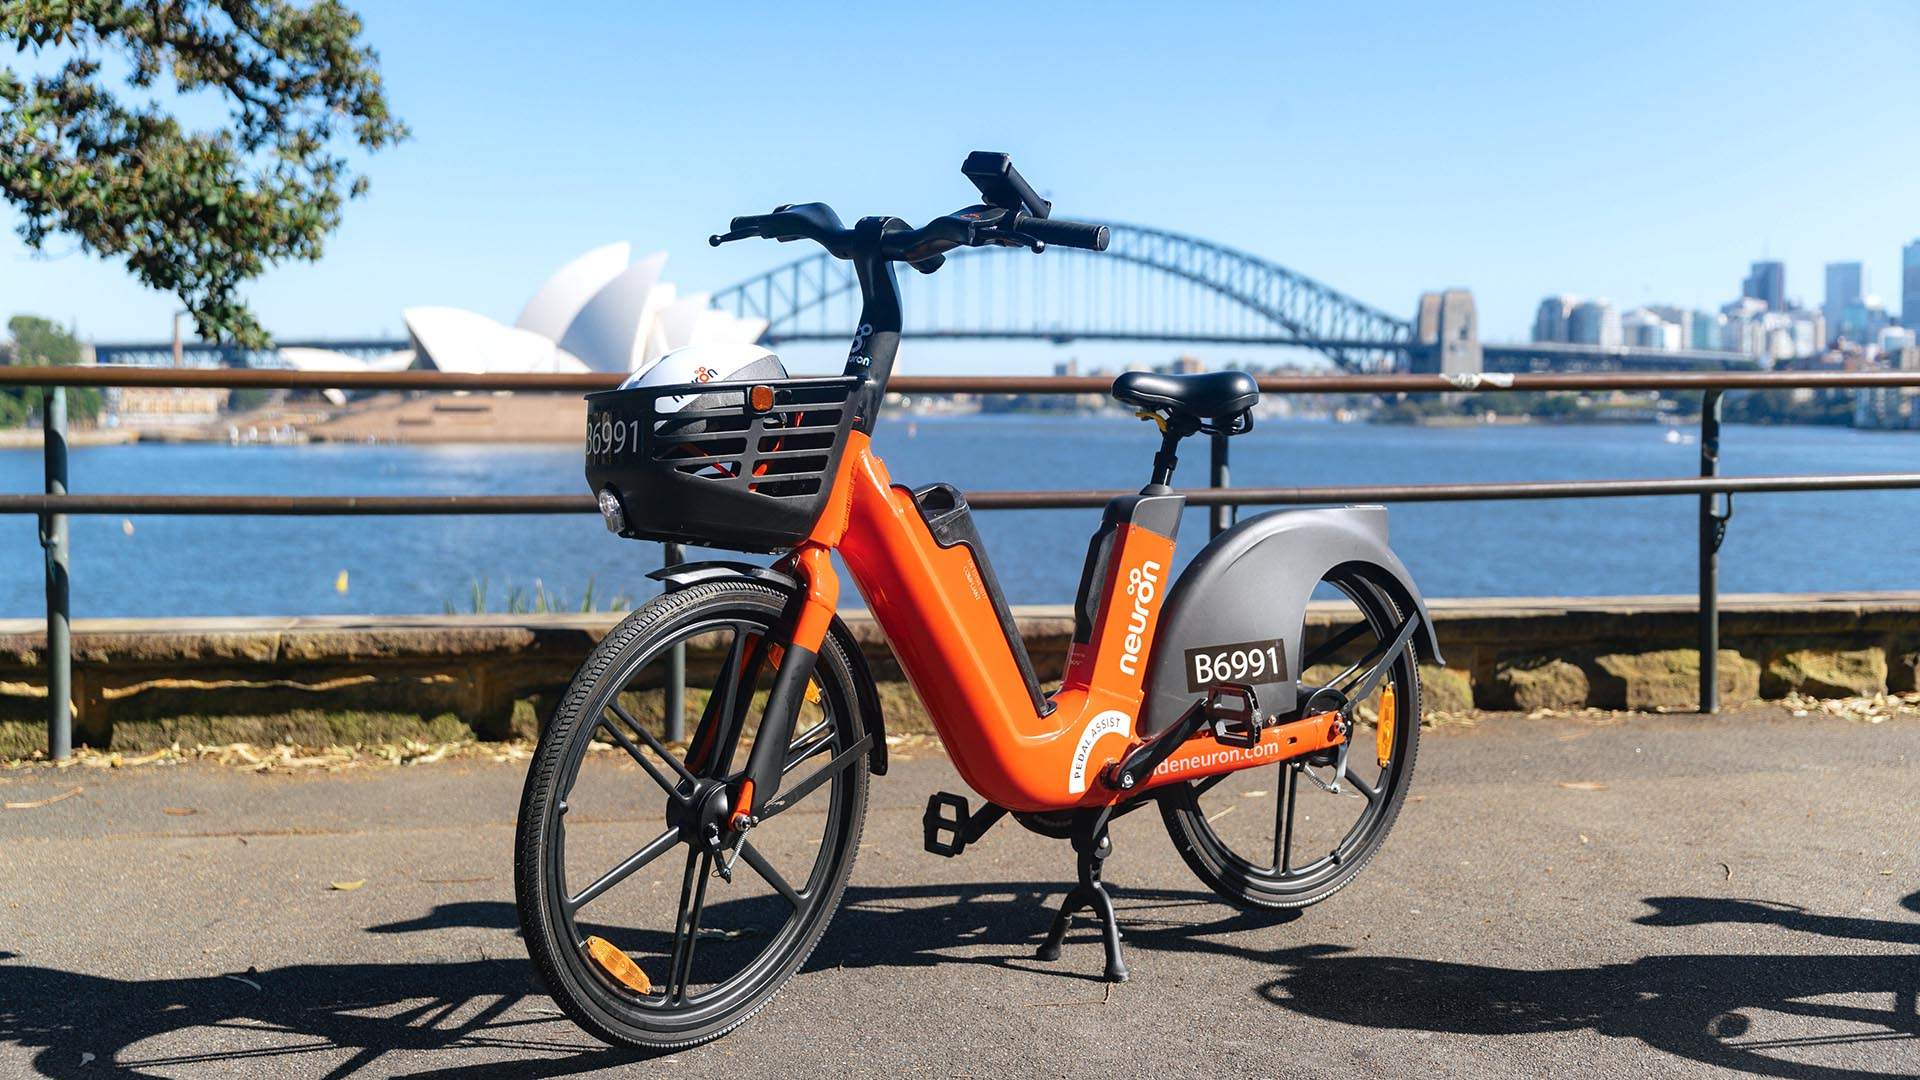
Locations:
730 669
1372 793
756 859
1283 818
726 711
686 927
788 797
1334 644
816 739
1375 663
658 847
1201 787
646 736
639 755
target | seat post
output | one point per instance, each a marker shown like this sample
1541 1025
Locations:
1166 459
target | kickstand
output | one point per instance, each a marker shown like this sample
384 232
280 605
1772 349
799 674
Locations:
1091 842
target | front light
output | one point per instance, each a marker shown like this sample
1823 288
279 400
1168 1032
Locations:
616 519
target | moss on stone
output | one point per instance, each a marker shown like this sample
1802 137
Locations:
302 727
1669 679
21 738
1445 690
1826 673
1536 682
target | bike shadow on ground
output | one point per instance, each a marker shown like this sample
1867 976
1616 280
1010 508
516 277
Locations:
354 1019
1784 1013
926 925
333 1020
348 1018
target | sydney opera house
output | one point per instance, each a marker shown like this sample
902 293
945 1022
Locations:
601 312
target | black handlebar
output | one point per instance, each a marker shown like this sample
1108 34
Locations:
1074 234
1012 216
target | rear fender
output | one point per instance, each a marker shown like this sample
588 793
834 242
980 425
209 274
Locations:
1250 587
868 698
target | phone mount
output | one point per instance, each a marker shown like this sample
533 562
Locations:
1001 185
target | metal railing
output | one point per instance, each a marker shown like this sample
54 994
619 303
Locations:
54 505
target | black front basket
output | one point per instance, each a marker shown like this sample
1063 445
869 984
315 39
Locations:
719 472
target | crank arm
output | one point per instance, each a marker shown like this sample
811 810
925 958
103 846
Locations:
1126 774
1138 764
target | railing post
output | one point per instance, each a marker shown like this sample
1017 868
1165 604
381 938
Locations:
53 540
676 666
1222 515
1713 528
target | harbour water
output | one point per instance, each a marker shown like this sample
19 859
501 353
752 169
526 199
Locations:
156 565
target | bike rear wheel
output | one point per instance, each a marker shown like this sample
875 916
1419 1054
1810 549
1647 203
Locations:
644 933
1310 842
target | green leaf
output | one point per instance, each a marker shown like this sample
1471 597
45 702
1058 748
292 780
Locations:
197 214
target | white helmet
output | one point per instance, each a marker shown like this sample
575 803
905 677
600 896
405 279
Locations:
717 362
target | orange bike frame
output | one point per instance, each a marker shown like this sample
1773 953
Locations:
935 607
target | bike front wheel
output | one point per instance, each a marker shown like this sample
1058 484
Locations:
645 932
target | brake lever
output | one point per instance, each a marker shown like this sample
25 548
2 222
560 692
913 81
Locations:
729 237
1013 238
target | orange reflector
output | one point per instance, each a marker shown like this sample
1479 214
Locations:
761 398
1383 727
618 965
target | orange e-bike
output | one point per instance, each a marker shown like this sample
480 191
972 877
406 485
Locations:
1284 652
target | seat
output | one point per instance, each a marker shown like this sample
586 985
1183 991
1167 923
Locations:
1211 398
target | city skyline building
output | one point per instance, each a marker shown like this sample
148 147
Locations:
1800 333
1862 320
1767 282
1550 321
1650 328
1743 329
1910 284
1846 283
1594 322
1704 330
1763 323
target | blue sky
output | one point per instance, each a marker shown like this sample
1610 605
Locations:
1644 152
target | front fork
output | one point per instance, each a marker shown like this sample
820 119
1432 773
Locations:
766 763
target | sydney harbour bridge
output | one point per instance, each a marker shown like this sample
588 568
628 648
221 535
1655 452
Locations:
1150 285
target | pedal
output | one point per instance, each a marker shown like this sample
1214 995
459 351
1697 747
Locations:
946 814
1234 715
948 826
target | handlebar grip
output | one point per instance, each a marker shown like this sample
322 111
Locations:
1073 234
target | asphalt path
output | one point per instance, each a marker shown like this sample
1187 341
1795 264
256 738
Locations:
1574 897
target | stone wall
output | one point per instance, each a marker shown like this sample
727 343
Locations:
1641 652
317 680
